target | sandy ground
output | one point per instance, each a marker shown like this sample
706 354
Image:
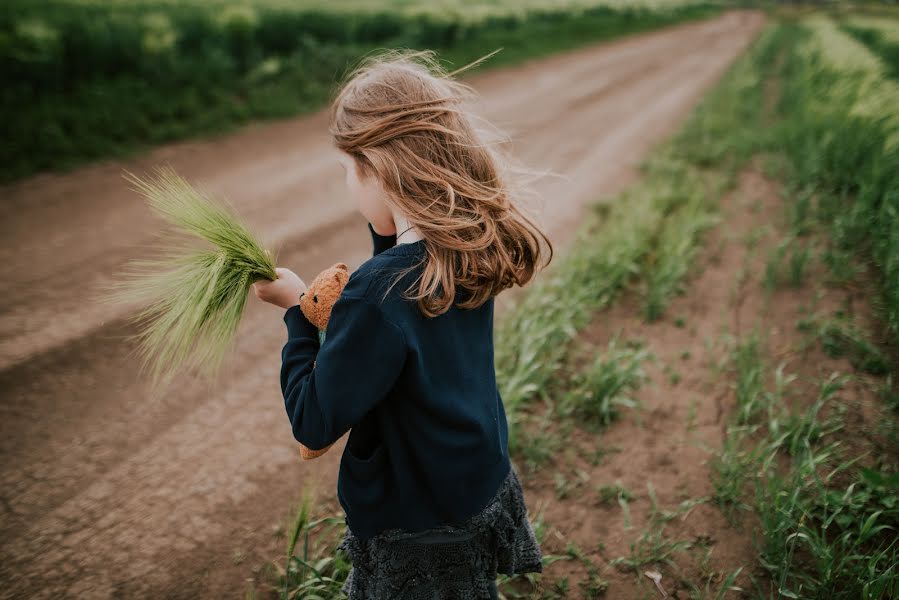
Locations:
108 493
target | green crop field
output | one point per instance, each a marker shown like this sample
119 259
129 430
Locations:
91 79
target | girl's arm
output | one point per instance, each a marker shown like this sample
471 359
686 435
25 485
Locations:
355 368
381 242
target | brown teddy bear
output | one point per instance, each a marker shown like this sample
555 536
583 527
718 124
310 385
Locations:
316 303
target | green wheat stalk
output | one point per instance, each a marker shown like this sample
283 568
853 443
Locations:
192 297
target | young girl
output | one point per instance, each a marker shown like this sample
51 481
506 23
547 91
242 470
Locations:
434 508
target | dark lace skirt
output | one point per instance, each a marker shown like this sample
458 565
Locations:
447 562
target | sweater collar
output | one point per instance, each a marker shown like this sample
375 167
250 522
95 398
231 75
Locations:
406 249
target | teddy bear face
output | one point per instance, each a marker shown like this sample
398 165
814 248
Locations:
317 301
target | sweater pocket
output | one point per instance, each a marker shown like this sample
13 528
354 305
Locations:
364 480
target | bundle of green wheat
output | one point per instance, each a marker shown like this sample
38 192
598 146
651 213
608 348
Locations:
192 296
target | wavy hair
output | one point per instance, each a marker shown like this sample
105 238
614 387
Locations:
399 114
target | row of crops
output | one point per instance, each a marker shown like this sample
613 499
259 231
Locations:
881 36
841 97
86 79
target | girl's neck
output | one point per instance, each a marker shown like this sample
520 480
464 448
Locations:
405 234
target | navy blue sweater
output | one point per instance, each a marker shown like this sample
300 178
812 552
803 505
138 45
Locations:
428 439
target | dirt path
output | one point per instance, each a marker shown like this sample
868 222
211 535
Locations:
109 494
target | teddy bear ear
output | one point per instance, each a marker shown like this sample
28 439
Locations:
341 265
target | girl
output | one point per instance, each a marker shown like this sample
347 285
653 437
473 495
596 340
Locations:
434 508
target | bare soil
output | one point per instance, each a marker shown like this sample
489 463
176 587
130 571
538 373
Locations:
108 493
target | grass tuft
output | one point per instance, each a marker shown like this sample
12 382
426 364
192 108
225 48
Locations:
599 392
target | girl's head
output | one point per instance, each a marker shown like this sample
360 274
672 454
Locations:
411 148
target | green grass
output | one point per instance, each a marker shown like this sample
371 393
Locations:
841 337
89 80
654 546
879 43
787 263
666 266
311 570
597 393
827 526
839 130
820 536
607 494
774 266
800 258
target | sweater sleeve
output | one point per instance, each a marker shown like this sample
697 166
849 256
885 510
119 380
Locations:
328 388
381 242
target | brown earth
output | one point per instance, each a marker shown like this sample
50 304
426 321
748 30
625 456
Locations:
109 493
670 440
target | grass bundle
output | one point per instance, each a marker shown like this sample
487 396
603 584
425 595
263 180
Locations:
192 296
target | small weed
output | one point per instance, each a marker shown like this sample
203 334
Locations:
574 552
728 585
676 246
653 546
564 486
799 260
594 586
841 265
774 265
315 568
601 390
600 453
800 213
561 586
543 443
889 393
756 235
840 337
613 493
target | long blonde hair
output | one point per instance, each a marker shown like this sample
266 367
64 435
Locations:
397 116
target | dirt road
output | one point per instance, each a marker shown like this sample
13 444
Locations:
107 493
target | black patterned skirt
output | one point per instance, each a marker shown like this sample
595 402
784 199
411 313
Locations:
447 562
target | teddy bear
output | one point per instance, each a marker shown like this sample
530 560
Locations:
316 304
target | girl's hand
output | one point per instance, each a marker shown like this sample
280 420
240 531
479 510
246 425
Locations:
284 291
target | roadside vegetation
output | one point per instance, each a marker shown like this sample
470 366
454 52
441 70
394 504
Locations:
90 80
820 480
